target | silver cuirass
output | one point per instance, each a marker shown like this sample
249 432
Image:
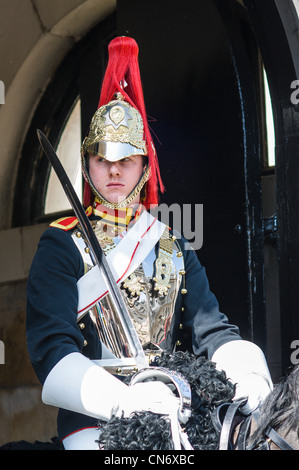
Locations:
150 294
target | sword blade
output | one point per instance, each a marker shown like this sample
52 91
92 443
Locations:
97 252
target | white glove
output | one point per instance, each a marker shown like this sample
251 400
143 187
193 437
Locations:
245 365
256 388
78 384
152 396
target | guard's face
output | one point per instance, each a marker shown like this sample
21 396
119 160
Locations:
115 180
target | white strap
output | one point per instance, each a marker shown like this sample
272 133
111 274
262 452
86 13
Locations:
179 437
185 441
123 260
175 430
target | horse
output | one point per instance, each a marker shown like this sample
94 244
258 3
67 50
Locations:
277 426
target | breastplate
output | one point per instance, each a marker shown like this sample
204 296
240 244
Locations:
150 294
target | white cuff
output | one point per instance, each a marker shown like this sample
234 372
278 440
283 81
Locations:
245 365
77 384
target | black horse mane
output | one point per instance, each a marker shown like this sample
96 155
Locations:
55 444
280 410
148 431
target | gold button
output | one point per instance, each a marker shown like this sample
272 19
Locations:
78 234
182 272
181 326
183 309
82 326
85 343
178 343
173 238
86 249
184 291
179 254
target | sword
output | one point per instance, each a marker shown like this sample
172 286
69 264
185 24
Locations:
97 253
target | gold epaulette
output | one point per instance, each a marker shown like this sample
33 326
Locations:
67 223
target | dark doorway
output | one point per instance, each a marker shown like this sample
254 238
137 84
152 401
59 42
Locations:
200 68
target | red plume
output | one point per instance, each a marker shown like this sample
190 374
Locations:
123 75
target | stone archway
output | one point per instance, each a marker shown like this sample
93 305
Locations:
53 39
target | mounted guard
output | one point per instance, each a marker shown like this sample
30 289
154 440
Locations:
79 345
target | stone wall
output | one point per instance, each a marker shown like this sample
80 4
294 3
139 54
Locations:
22 414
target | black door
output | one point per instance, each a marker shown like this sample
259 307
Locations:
199 66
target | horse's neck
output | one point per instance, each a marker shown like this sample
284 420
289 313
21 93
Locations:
290 436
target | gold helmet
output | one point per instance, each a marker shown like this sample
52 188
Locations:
116 131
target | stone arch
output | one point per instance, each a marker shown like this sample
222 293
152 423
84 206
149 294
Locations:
23 92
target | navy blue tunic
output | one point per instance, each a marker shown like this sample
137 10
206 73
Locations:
53 332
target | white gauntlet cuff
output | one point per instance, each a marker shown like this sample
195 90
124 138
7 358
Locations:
245 365
78 384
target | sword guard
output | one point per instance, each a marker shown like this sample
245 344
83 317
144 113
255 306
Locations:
174 380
